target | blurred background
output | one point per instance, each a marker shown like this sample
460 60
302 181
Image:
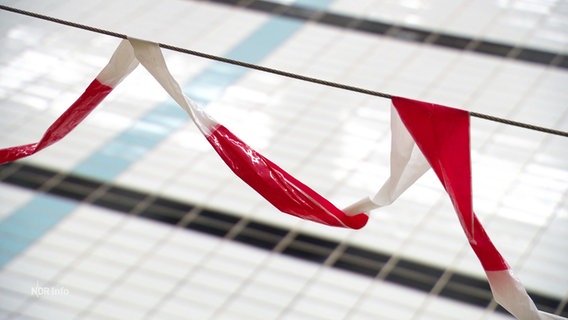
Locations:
134 216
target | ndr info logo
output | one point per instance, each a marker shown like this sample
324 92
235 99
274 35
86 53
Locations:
39 291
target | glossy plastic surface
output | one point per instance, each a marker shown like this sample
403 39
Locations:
276 185
87 102
442 134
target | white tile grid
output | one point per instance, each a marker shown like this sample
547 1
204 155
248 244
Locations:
110 266
536 24
12 198
415 76
409 84
179 23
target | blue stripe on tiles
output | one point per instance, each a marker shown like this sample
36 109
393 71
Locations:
210 84
314 4
151 129
133 143
29 222
257 46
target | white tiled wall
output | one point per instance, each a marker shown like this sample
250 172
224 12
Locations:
335 141
173 274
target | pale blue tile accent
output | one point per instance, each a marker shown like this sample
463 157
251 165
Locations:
314 4
30 222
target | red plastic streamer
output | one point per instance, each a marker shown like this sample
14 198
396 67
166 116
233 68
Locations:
119 66
277 186
442 134
93 95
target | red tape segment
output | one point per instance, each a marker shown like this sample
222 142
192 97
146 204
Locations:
79 110
277 186
442 134
119 66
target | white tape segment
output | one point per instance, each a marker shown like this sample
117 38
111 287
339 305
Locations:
150 56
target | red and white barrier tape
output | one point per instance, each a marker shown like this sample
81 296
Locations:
428 135
120 65
424 135
277 186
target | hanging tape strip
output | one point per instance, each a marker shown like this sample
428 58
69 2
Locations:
442 135
274 71
121 64
280 188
